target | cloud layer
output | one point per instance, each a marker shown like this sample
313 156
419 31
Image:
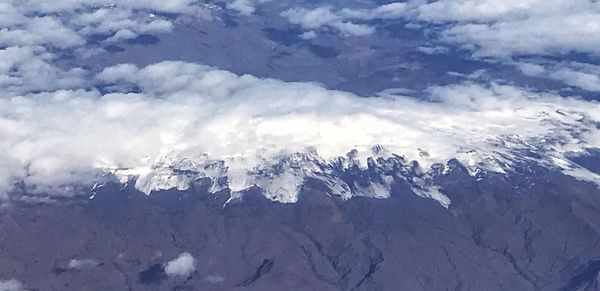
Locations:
195 113
504 28
490 28
493 30
64 127
33 34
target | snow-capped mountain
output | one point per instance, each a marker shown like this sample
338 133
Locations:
281 180
301 145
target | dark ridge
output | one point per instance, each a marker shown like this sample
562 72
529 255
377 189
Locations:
286 37
590 159
585 277
114 49
323 51
229 21
111 88
59 270
264 268
373 267
144 39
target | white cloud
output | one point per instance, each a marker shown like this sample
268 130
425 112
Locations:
82 263
386 11
177 6
433 50
308 35
111 21
41 30
27 68
184 265
33 31
67 24
11 285
478 10
346 21
491 28
122 34
584 76
242 6
558 34
503 28
325 17
246 7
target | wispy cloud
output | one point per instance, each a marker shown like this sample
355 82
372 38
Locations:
82 263
246 7
579 75
11 285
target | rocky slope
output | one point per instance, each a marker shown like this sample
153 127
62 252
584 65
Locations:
536 230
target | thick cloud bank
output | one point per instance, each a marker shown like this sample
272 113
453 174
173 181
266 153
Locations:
192 116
